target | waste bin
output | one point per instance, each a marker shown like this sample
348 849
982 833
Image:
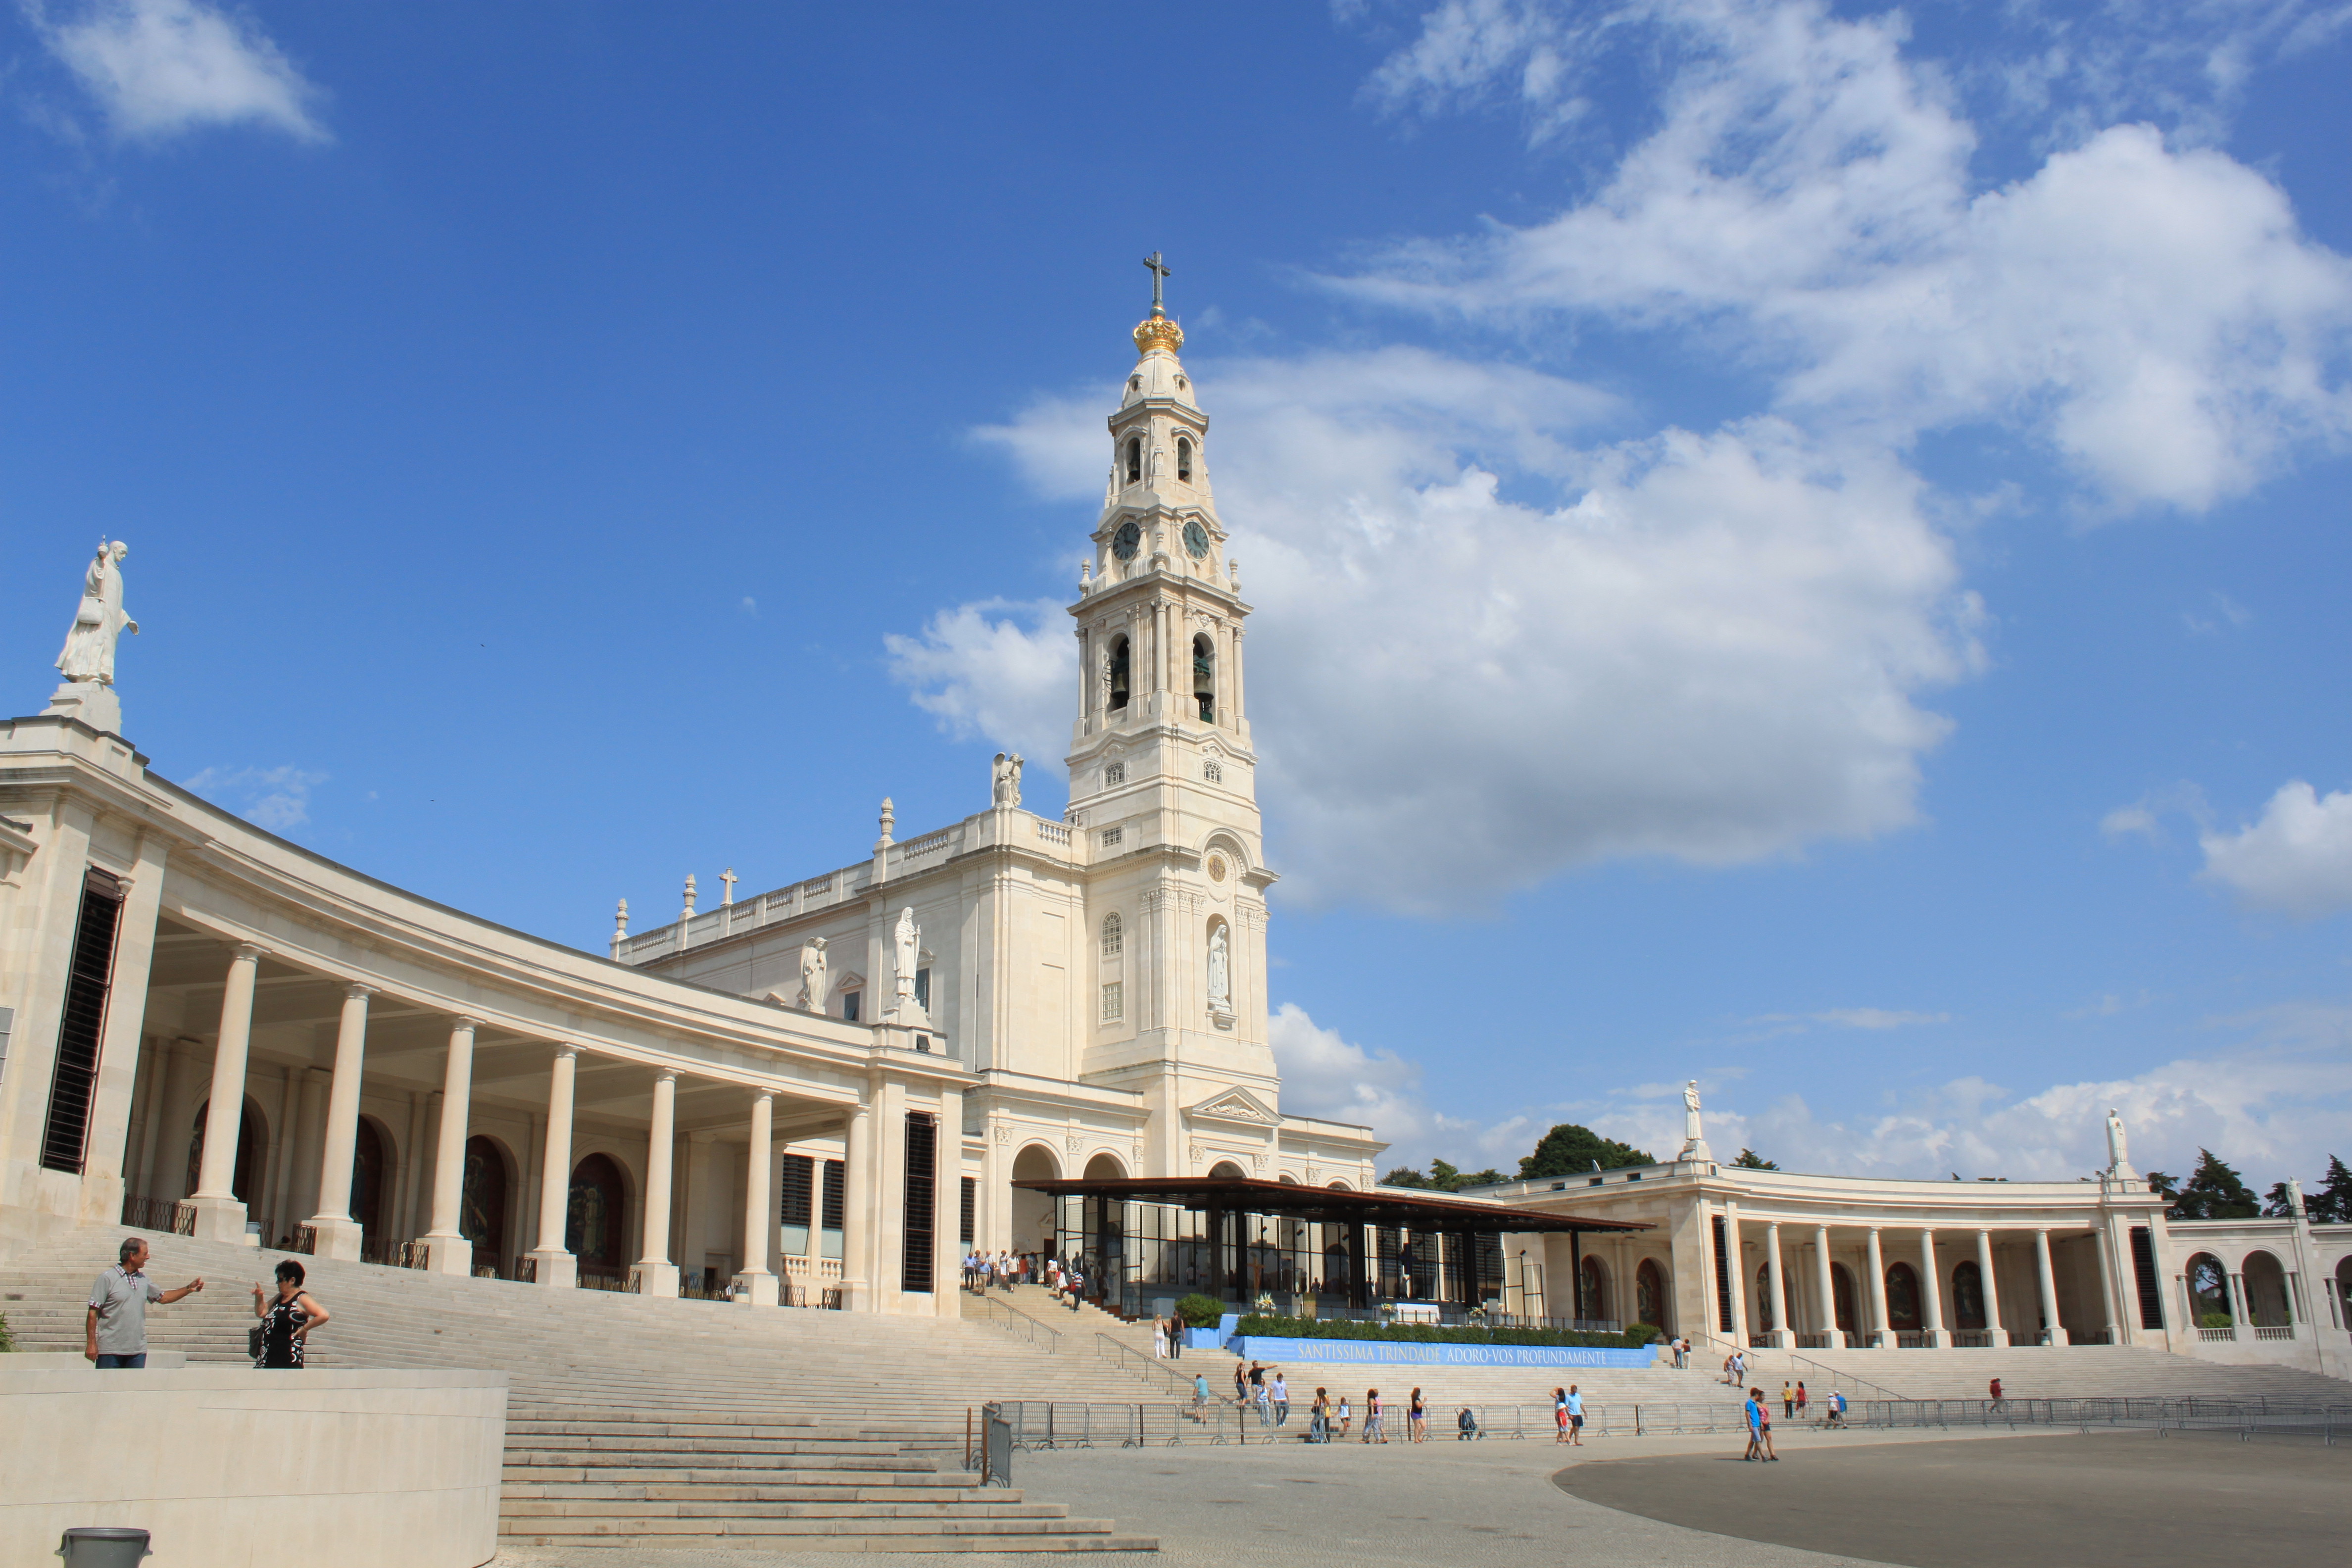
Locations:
103 1546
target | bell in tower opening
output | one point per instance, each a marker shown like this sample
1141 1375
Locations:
1204 678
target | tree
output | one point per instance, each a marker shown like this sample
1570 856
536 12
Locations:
1569 1150
2163 1186
2214 1191
1443 1177
1404 1176
1749 1160
2276 1205
2332 1203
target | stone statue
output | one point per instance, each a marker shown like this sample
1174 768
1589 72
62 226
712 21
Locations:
1221 982
1694 1135
2118 1151
89 654
1004 780
907 946
812 997
2295 1197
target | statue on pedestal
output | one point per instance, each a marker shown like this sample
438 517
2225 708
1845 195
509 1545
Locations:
812 997
1221 984
906 955
1004 780
1693 1136
2118 1149
89 654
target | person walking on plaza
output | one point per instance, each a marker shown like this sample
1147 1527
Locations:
1175 1337
1374 1431
287 1320
1346 1418
1159 1339
1836 1416
1200 1396
115 1332
1575 1418
1416 1419
1241 1383
1281 1396
1559 1415
1801 1401
1764 1425
1318 1418
1788 1401
1751 1414
1996 1392
1259 1397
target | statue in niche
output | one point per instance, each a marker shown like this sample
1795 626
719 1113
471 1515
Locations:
1221 984
907 946
812 997
2119 1150
1004 780
89 653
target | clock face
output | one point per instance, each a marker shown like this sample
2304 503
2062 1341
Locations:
1124 543
1196 539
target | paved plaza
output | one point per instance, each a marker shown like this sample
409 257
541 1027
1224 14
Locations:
1924 1501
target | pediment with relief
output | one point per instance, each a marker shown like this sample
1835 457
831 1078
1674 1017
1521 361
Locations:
1236 1105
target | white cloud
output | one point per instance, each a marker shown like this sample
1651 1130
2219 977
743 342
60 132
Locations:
1876 1018
1713 654
998 669
158 67
2297 858
2154 316
277 799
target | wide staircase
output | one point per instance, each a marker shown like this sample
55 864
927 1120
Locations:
673 1418
2039 1372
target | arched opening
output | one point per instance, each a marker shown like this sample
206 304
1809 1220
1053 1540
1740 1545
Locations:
1650 1294
370 1161
252 1138
1103 1225
1184 459
1204 678
2265 1287
1134 460
1114 935
1592 1291
1846 1298
482 1203
1967 1295
2209 1292
1339 1186
1901 1297
1226 1170
1032 1213
1764 1322
1287 1180
595 1216
1104 1167
1119 674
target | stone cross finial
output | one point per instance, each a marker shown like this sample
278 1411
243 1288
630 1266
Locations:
731 878
1158 275
690 897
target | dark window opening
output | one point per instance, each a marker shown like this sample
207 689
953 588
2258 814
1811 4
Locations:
1183 459
1119 674
65 1136
849 1006
1204 678
1723 1280
922 1185
798 1191
1134 461
970 1209
833 1184
2151 1299
923 988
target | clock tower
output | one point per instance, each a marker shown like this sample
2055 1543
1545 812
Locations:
1163 786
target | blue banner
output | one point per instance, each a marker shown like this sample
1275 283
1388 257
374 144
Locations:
1255 1347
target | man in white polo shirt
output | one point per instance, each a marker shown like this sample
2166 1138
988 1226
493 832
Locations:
118 1310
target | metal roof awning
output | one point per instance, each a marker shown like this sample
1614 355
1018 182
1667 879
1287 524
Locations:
1329 1205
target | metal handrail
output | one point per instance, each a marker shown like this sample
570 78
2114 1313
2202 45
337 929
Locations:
1127 1358
1020 1325
1833 1374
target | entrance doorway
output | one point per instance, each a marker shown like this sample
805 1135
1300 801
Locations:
252 1136
593 1218
482 1210
367 1189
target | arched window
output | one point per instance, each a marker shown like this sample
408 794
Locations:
1118 664
1650 1294
1592 1291
1843 1301
1134 460
1184 458
1204 678
1901 1296
1764 1322
594 1216
1968 1296
2209 1287
1114 935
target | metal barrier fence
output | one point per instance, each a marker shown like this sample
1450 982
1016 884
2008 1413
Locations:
2258 1416
172 1214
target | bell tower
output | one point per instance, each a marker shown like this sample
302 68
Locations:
1163 783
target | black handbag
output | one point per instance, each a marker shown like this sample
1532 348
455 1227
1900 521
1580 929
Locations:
253 1343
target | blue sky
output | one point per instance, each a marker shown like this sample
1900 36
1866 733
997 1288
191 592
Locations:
1796 546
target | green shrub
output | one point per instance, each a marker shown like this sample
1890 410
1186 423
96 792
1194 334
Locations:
1200 1312
2216 1320
1644 1334
1434 1334
8 1340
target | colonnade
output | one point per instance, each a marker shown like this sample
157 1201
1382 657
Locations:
220 1215
1874 1327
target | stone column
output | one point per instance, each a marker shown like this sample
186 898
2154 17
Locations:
656 1275
2241 1318
552 1262
2049 1280
278 1195
1931 1289
1992 1290
856 1203
756 1285
1878 1322
1827 1281
308 1144
170 1068
339 1234
1739 1268
1781 1334
2118 1331
412 1163
450 1252
220 1213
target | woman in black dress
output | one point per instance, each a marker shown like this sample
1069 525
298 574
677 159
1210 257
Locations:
288 1321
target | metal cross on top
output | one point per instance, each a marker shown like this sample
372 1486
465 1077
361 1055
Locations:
1158 275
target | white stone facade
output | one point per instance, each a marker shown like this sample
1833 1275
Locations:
1024 996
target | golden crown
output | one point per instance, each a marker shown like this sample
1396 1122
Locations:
1157 333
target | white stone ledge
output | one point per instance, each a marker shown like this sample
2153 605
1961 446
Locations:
227 1465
